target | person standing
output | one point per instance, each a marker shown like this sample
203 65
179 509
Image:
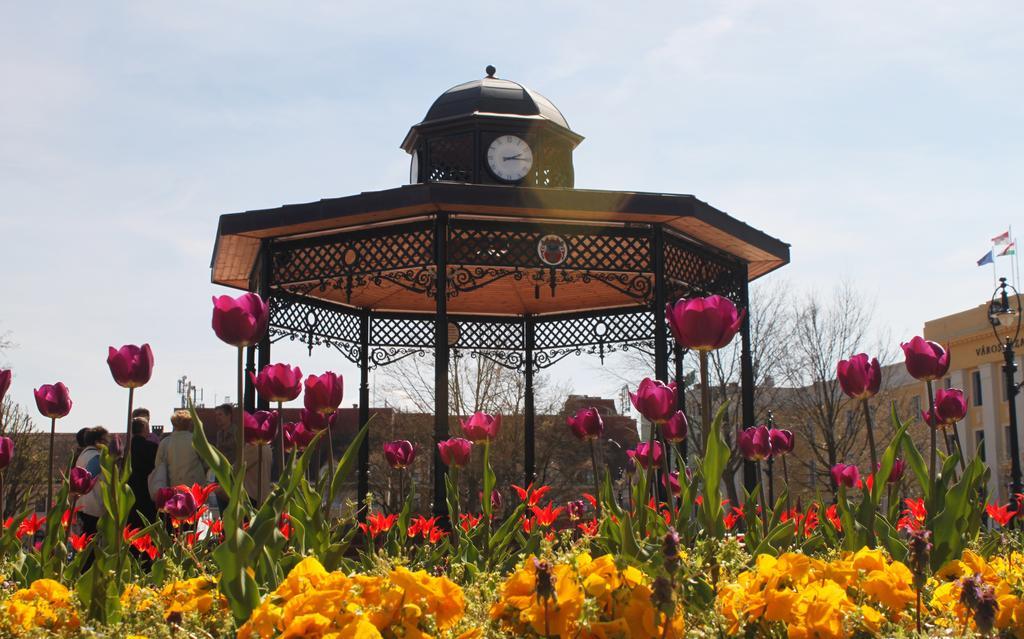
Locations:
91 503
143 455
177 463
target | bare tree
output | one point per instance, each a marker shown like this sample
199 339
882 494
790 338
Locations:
22 487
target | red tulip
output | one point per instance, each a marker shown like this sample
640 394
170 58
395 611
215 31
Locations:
586 424
314 421
81 481
296 435
642 455
455 452
240 321
845 475
399 454
674 430
672 482
131 365
755 443
53 400
278 382
181 505
481 427
654 400
6 452
323 393
782 441
5 382
926 361
859 377
260 427
704 323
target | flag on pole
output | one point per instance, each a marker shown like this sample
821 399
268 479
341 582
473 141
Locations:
1011 249
1002 238
986 259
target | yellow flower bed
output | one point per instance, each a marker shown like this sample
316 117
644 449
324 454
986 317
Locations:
312 602
45 604
592 599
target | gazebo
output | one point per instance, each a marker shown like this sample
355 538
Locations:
534 270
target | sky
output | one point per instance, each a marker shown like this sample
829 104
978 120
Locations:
882 140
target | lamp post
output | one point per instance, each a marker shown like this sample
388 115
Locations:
1006 315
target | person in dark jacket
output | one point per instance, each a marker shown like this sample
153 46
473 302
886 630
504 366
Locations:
143 453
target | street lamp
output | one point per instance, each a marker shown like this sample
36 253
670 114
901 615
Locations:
1005 317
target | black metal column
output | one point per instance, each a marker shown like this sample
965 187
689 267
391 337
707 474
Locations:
677 353
363 480
660 336
440 358
747 378
529 417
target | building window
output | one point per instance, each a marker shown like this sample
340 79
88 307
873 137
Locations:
948 383
976 387
915 405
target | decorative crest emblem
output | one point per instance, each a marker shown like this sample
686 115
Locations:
552 250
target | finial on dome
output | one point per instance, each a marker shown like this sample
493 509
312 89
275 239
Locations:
490 70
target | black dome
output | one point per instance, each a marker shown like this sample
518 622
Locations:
495 96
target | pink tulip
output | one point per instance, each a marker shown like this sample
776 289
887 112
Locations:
181 505
53 400
314 421
481 427
926 361
323 392
782 441
259 427
6 452
673 482
162 495
674 430
586 424
278 382
399 454
845 475
81 481
5 382
899 467
576 509
704 323
950 406
755 443
495 500
240 321
297 436
930 418
654 400
130 365
455 452
859 377
642 455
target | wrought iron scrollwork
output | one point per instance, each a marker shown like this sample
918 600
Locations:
384 355
419 280
513 360
546 358
639 286
462 279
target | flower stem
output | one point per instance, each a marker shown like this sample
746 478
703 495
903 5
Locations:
259 474
49 484
280 440
871 435
597 482
240 417
933 458
705 398
128 433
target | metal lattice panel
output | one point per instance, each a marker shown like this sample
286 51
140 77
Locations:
402 332
555 166
314 325
346 257
612 250
483 334
450 159
576 332
689 272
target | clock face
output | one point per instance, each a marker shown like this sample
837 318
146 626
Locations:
510 158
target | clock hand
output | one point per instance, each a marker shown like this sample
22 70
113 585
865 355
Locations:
512 157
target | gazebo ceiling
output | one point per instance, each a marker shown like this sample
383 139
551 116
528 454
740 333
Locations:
240 235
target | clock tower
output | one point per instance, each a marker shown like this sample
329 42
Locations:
492 131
